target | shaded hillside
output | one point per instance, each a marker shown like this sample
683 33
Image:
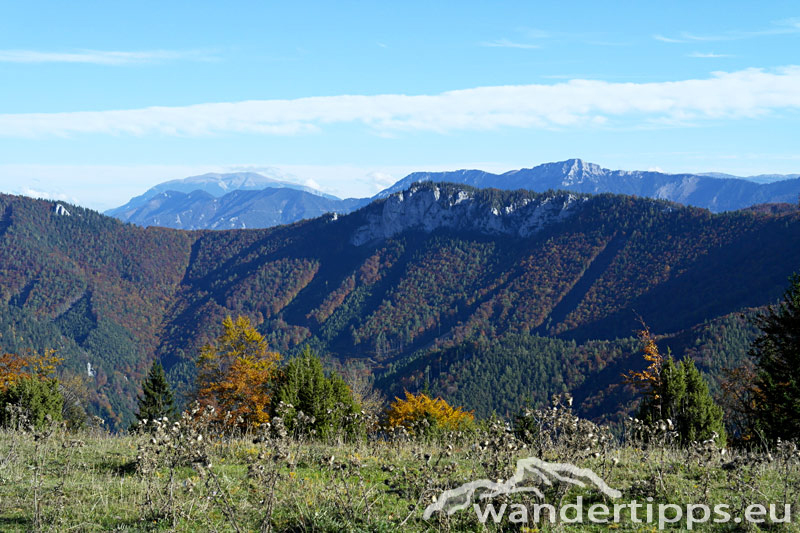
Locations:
440 284
96 289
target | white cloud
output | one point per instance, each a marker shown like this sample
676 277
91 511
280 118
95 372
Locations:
381 179
577 103
732 36
790 23
536 33
709 55
663 39
505 43
33 193
376 181
781 27
311 182
99 57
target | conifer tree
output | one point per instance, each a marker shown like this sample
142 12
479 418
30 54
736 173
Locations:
701 416
157 399
29 383
682 396
303 386
777 357
671 389
676 391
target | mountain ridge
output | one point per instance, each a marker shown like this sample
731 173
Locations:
238 209
406 303
164 205
714 193
215 184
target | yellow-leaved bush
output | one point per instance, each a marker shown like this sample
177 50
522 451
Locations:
415 408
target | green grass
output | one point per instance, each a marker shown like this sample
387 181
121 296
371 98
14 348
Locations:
94 482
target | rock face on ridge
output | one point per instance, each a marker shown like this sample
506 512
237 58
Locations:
717 194
428 207
250 200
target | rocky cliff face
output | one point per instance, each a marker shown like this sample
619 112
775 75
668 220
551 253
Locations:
428 207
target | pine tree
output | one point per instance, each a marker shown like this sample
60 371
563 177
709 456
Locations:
676 391
777 356
671 390
157 399
700 416
303 386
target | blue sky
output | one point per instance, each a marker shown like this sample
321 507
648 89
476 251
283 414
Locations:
101 100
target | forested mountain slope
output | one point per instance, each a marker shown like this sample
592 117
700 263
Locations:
490 297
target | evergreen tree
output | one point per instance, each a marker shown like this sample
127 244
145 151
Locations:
29 389
35 398
671 389
157 400
701 416
681 395
777 356
326 402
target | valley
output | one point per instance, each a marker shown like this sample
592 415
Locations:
441 286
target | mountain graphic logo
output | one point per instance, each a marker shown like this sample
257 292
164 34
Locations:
528 475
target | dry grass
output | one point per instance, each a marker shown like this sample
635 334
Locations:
181 479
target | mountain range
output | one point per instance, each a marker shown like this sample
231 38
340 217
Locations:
716 193
491 298
226 201
248 200
238 209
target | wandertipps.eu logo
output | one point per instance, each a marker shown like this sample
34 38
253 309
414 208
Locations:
529 475
533 473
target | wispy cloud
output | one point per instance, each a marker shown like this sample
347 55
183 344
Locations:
664 39
536 33
577 103
102 57
709 55
781 27
531 37
505 43
692 37
608 43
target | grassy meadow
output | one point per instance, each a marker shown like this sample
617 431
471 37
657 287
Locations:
179 477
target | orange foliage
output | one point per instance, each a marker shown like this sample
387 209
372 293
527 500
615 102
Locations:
14 367
649 379
235 372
